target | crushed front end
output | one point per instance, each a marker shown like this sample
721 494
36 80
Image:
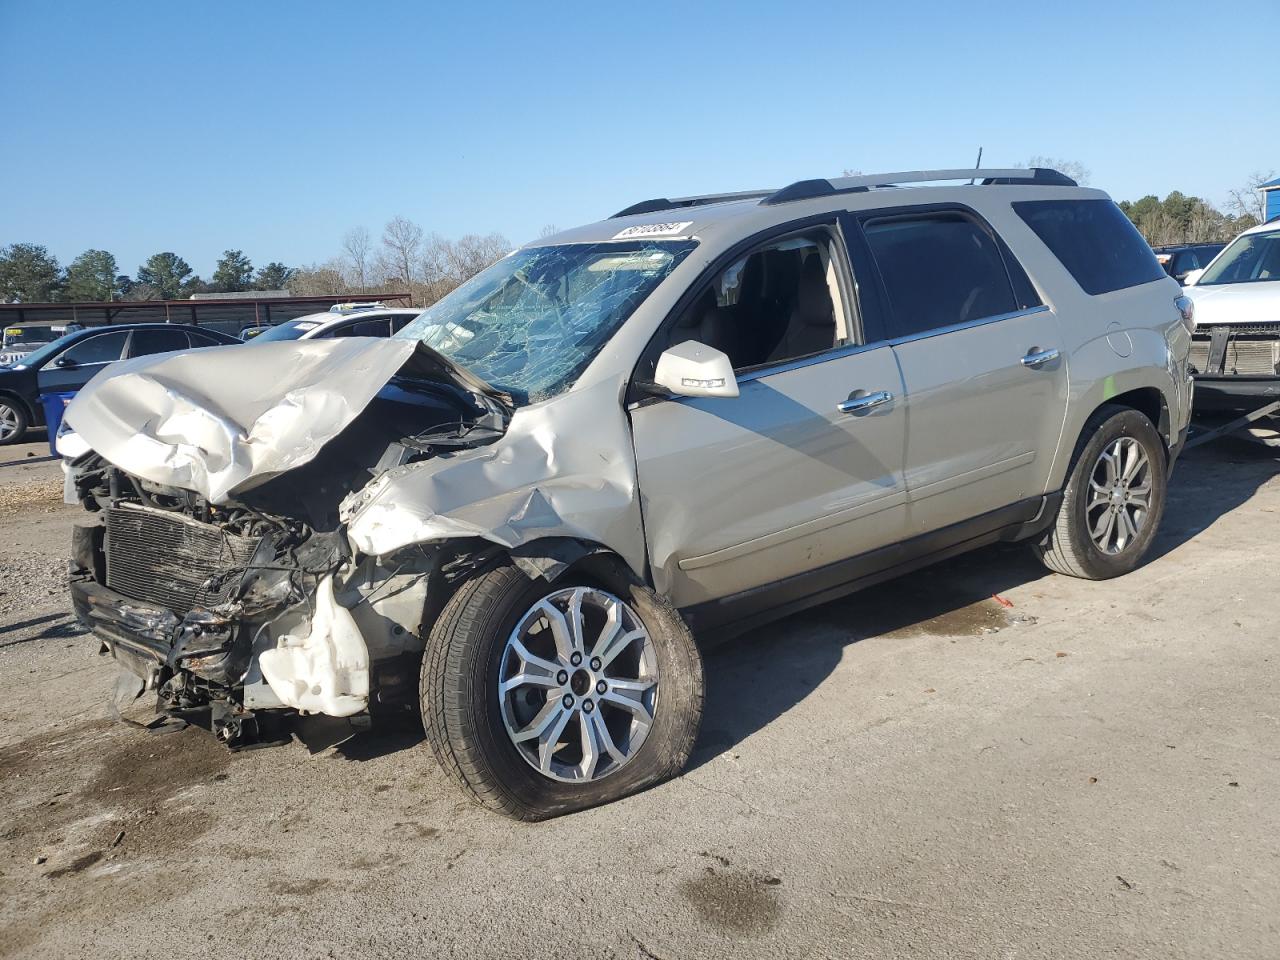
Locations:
234 607
225 612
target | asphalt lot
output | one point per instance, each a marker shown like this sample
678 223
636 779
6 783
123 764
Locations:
919 771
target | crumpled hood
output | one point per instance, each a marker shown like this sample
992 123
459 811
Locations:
1236 303
222 420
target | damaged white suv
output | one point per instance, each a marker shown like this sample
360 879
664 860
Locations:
692 417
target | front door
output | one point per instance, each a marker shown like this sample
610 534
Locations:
778 481
74 367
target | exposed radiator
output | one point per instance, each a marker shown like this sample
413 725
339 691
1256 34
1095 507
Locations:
1252 357
166 559
1243 354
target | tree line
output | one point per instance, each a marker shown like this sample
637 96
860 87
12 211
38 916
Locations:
404 259
29 273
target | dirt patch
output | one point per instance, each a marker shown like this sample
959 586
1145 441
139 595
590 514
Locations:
22 494
29 580
974 620
738 902
145 767
137 803
926 606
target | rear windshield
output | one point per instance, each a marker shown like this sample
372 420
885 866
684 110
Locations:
289 330
1095 242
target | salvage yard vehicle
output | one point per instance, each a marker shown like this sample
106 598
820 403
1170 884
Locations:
693 417
21 339
68 363
341 320
1180 259
1235 351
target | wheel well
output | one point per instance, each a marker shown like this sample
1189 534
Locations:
1151 403
16 398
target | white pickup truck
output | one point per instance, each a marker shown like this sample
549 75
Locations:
1235 350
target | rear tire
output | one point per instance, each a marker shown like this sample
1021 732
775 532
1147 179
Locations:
473 725
14 421
1103 529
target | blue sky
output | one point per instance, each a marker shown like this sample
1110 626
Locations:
274 127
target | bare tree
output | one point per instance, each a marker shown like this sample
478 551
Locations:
471 253
319 279
548 230
1074 169
402 244
356 245
1247 201
447 264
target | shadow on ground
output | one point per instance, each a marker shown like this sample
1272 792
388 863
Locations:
754 680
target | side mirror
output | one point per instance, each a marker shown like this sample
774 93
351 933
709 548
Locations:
692 369
64 362
1192 276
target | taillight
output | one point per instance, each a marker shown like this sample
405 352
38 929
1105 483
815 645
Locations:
1187 309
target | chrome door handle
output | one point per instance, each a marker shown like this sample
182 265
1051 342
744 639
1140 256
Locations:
866 402
1040 358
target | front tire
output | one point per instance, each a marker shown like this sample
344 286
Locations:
1114 498
13 421
540 699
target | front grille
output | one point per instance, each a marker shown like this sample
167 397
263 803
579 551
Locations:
166 559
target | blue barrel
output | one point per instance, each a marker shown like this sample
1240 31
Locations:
54 405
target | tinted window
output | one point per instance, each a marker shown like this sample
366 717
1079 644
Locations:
203 340
1095 242
102 348
364 328
939 270
146 342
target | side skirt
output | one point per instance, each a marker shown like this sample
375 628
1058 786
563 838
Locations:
718 620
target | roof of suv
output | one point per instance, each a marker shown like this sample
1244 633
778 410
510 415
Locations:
746 212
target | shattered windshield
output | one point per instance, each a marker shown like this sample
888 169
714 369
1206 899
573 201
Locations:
532 322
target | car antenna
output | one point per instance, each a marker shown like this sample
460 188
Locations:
976 165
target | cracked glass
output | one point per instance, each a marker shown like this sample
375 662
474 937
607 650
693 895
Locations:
531 323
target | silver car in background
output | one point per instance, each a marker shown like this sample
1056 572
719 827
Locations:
692 417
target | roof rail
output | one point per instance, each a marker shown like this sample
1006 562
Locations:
662 203
808 189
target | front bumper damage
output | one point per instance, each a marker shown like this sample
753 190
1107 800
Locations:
275 561
310 630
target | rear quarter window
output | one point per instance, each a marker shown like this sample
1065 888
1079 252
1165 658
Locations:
1094 240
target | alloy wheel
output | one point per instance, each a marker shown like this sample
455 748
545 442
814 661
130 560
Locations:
8 421
1119 495
578 685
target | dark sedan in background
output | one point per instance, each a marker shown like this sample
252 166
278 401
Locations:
1180 259
68 363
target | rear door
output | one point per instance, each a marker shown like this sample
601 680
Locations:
982 361
144 343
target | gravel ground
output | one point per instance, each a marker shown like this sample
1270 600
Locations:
918 771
